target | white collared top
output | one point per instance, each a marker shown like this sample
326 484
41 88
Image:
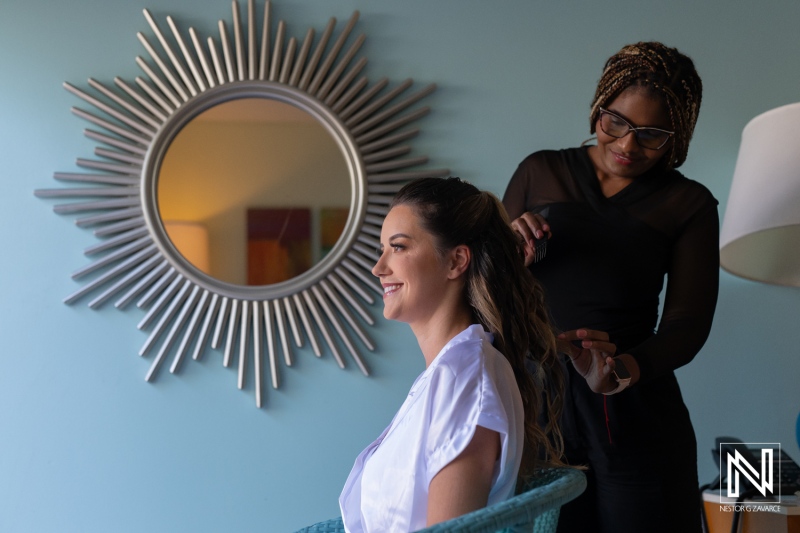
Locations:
468 384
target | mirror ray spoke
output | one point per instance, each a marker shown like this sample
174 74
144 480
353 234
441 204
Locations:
340 330
119 156
312 335
191 328
353 284
291 316
126 280
343 84
288 61
175 323
305 48
203 58
115 142
205 329
165 319
165 70
244 327
348 296
159 83
114 128
281 322
270 336
389 140
141 100
143 284
109 275
117 227
155 95
391 126
277 51
358 123
362 274
103 218
133 110
173 58
322 71
323 328
111 167
196 78
105 179
116 241
156 288
349 94
258 357
164 300
230 337
371 254
110 111
113 257
226 51
238 43
323 91
263 57
317 55
219 328
383 155
363 98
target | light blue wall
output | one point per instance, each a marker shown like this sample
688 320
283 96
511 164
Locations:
86 445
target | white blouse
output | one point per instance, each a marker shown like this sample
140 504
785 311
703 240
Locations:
468 384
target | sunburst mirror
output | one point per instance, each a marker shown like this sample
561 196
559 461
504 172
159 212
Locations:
299 156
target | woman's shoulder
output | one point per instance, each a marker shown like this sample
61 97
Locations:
551 156
690 190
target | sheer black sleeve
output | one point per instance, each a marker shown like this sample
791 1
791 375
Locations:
691 298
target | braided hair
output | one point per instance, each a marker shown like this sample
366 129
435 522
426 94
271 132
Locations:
503 297
665 73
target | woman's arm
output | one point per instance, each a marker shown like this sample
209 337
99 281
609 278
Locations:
464 484
691 298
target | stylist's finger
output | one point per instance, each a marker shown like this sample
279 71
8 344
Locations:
536 223
589 339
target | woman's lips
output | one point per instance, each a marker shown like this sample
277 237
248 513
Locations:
622 160
390 289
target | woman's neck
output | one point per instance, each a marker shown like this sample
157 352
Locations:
435 333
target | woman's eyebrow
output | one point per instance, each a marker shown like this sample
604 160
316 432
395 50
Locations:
399 236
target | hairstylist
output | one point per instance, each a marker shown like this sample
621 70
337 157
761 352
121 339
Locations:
620 218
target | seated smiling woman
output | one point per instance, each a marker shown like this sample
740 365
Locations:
451 267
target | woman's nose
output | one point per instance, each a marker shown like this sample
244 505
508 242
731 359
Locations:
628 142
379 266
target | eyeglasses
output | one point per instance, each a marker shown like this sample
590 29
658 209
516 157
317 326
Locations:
617 127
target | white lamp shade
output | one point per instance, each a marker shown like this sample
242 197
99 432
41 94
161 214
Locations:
760 237
191 240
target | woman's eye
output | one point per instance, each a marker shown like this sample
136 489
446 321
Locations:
396 247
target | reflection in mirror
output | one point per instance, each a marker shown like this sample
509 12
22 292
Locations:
253 191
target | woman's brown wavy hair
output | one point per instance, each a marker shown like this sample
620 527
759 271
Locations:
504 297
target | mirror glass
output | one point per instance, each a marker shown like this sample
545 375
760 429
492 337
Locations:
253 191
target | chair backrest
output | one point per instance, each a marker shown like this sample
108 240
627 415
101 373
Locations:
535 510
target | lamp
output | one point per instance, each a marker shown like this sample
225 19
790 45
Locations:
760 238
191 240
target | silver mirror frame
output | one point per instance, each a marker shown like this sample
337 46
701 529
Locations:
188 310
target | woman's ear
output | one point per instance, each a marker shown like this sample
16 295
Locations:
459 257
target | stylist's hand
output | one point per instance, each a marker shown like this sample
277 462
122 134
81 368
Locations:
531 226
592 356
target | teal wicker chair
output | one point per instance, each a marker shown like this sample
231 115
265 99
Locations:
534 510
